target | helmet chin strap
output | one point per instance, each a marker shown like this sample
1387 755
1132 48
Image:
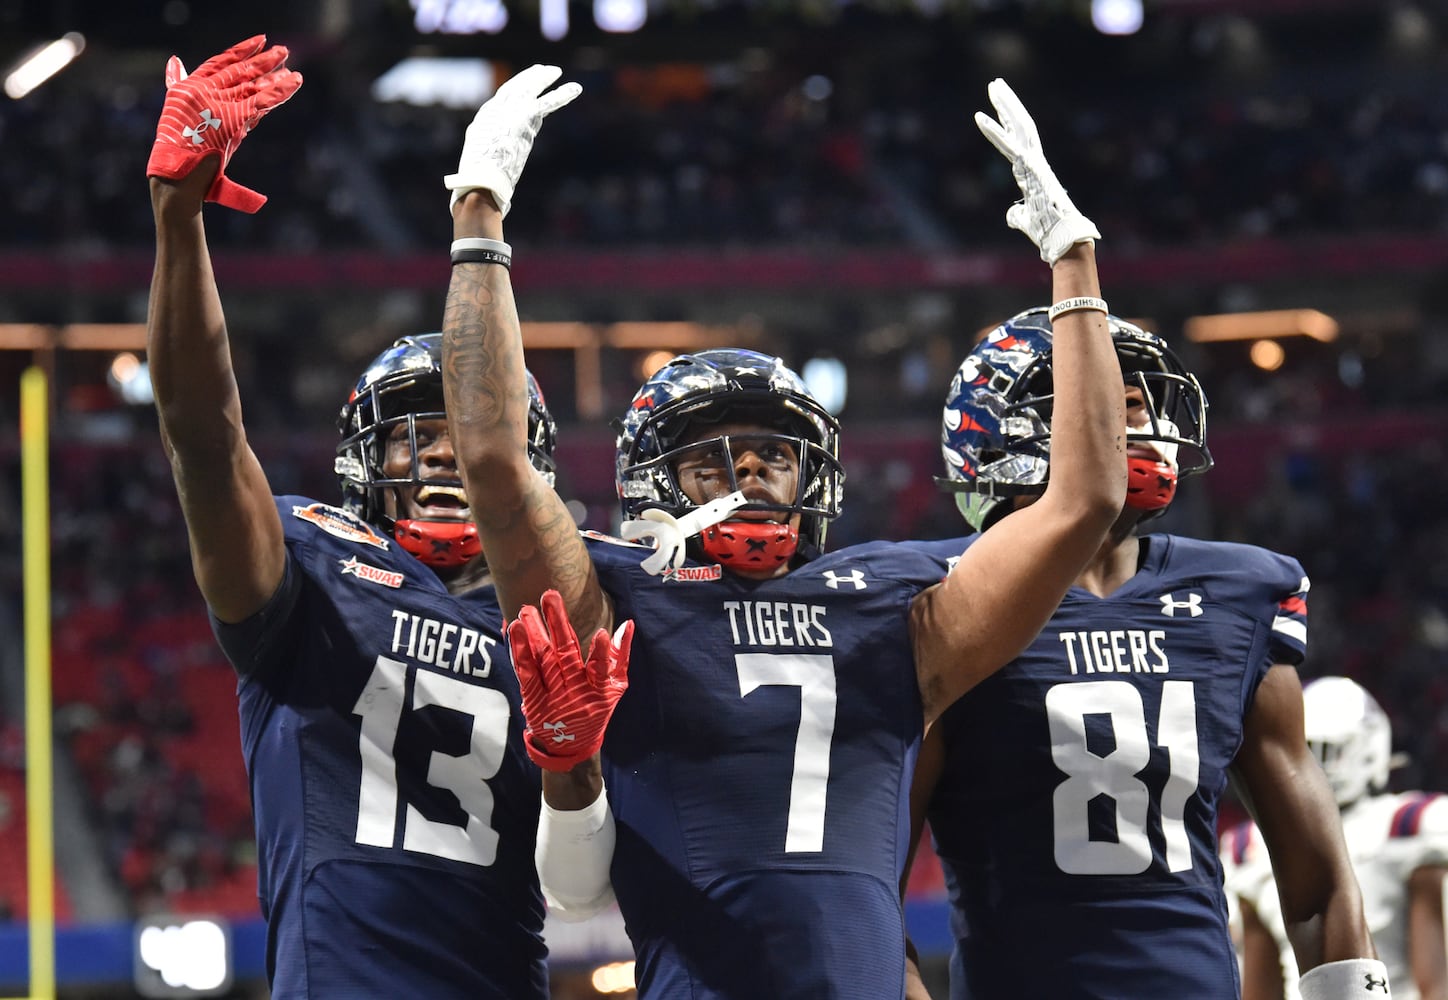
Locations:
440 544
750 545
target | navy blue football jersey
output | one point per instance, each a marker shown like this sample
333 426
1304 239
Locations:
758 769
1076 816
395 807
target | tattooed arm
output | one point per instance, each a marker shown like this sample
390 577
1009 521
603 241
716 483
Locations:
529 538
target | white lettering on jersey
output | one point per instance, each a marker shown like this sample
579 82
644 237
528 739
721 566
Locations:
1118 651
442 644
777 623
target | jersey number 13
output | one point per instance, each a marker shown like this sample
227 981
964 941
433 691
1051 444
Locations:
381 706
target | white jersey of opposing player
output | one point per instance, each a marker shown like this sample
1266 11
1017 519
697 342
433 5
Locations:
1388 837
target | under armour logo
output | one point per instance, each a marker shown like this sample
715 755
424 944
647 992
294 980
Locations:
1192 605
559 736
833 579
208 121
1375 983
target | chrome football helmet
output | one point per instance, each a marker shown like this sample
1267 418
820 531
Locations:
404 385
731 385
996 428
1350 735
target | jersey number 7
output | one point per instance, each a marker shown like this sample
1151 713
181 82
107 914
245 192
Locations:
815 678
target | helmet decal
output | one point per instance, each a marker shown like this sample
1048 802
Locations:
693 391
403 385
996 426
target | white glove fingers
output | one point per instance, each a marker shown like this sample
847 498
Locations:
532 81
555 99
1018 216
992 130
1013 113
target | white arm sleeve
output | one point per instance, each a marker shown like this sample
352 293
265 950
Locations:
573 856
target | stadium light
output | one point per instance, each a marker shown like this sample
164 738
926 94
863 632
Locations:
43 63
1267 355
423 81
828 380
182 956
1269 324
1116 17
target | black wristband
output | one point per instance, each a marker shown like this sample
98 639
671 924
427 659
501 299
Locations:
481 257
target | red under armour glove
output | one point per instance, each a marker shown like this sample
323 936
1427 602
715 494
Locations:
567 702
210 111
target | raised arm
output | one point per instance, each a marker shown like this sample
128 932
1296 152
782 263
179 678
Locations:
529 538
1008 584
237 551
1294 807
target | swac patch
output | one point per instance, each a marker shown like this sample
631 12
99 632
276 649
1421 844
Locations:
692 574
343 524
372 574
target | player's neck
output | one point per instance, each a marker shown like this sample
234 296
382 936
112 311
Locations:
469 576
1115 562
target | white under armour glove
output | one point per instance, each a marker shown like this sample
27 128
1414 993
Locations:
1046 215
1356 978
501 136
670 533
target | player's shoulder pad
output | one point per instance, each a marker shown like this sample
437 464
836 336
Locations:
614 554
1237 560
916 562
308 520
1419 814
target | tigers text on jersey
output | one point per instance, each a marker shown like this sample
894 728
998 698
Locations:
758 768
1388 838
1076 816
395 808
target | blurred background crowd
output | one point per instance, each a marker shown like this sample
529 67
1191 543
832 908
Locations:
1271 177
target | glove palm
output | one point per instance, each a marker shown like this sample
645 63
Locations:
567 701
209 112
1046 213
501 136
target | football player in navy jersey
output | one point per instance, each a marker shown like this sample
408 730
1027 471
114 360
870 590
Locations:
1073 796
395 807
758 765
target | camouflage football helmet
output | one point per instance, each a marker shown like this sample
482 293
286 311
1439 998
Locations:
996 428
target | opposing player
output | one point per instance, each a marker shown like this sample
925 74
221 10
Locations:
1398 844
1073 796
395 807
758 764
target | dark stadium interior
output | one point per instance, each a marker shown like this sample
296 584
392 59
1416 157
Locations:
801 176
